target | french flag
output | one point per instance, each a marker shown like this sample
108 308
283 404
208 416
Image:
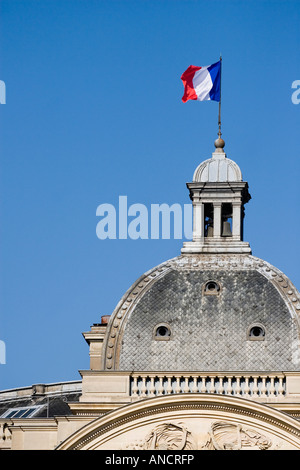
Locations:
202 83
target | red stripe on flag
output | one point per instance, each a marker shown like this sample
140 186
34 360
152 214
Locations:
187 78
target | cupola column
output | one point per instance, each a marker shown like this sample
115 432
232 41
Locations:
236 221
198 222
217 219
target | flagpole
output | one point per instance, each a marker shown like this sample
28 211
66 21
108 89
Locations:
219 122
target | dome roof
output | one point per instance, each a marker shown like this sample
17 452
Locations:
219 168
206 313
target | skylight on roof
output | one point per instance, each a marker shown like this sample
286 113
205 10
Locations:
24 412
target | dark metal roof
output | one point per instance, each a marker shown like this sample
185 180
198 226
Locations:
45 400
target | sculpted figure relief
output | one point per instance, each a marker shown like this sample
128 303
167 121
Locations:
228 436
166 437
221 436
5 436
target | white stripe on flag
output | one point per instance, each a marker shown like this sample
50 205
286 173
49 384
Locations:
202 83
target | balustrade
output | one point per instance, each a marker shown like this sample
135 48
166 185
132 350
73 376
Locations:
244 385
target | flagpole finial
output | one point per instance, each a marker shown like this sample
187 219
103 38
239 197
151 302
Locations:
219 144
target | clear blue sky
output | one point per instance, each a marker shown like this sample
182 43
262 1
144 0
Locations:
93 111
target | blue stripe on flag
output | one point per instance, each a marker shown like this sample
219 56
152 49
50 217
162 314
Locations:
215 73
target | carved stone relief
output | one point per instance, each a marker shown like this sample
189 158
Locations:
166 436
5 436
227 436
220 436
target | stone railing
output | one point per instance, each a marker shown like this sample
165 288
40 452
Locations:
109 389
246 385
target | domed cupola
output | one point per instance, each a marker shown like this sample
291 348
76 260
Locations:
218 168
219 194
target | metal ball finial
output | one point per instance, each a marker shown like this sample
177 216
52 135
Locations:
219 143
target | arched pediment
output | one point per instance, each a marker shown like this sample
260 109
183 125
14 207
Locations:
189 422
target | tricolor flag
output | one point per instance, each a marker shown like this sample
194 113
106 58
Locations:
202 83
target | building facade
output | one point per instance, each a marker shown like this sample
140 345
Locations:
201 353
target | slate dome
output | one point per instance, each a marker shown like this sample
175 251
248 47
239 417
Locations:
206 313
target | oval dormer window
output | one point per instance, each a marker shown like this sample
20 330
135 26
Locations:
256 332
212 288
162 332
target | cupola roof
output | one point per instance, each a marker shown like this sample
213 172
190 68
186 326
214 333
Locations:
218 168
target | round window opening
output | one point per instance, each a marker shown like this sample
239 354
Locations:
212 287
163 331
257 332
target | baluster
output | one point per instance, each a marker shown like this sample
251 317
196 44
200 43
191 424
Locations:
134 388
203 385
160 387
194 387
281 389
177 385
221 386
247 387
255 387
212 387
151 390
272 388
238 387
263 390
169 385
186 387
143 388
229 385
